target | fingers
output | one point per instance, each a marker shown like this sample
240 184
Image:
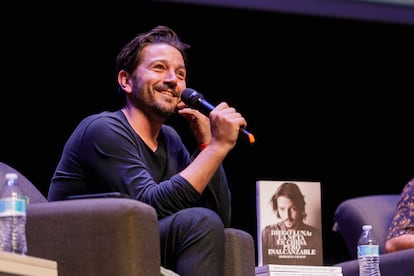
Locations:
199 124
231 114
190 113
224 120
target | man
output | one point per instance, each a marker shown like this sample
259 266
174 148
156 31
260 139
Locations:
291 240
132 151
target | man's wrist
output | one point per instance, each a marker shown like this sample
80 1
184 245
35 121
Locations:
202 146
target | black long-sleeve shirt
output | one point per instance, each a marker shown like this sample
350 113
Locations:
105 154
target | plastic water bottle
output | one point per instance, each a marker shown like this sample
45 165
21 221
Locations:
368 253
13 216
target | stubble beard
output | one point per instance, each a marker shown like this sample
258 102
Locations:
149 102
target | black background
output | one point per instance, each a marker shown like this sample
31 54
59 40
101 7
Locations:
327 99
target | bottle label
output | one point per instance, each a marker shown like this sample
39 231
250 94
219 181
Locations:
368 250
12 207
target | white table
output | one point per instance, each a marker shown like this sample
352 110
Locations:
15 264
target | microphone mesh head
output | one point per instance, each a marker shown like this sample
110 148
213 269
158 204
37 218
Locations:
191 97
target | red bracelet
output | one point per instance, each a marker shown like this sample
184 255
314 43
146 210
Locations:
202 146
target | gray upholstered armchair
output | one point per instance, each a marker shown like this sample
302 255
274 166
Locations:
378 211
109 236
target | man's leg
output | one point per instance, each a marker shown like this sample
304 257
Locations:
192 242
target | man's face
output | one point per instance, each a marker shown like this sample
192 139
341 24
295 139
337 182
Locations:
159 79
288 212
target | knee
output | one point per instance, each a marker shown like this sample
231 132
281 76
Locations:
203 218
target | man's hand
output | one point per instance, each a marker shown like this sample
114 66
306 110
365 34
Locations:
199 124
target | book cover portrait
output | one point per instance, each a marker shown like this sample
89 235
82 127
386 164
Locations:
289 222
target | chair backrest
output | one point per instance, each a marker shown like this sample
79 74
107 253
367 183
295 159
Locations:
35 196
351 214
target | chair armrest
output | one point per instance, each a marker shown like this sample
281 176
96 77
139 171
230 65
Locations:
239 253
105 236
391 264
376 210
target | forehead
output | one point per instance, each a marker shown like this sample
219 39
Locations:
285 201
162 51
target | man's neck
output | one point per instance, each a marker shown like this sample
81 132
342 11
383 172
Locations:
147 128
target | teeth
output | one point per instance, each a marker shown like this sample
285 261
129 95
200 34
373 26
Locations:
167 93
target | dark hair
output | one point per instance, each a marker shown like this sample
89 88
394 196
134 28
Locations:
129 56
291 191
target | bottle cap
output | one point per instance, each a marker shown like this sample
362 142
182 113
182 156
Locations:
11 175
367 227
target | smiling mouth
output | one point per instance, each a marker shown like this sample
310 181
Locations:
169 93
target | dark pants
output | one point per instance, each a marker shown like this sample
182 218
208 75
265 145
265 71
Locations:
192 242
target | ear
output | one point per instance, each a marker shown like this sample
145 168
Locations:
125 81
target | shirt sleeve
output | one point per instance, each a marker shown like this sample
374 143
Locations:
113 155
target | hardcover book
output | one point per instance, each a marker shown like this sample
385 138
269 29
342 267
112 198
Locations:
298 270
289 222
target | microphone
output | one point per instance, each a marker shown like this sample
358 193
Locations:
196 100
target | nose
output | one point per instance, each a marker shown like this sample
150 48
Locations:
170 76
289 213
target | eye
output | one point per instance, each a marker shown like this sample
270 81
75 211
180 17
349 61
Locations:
181 74
159 66
294 208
